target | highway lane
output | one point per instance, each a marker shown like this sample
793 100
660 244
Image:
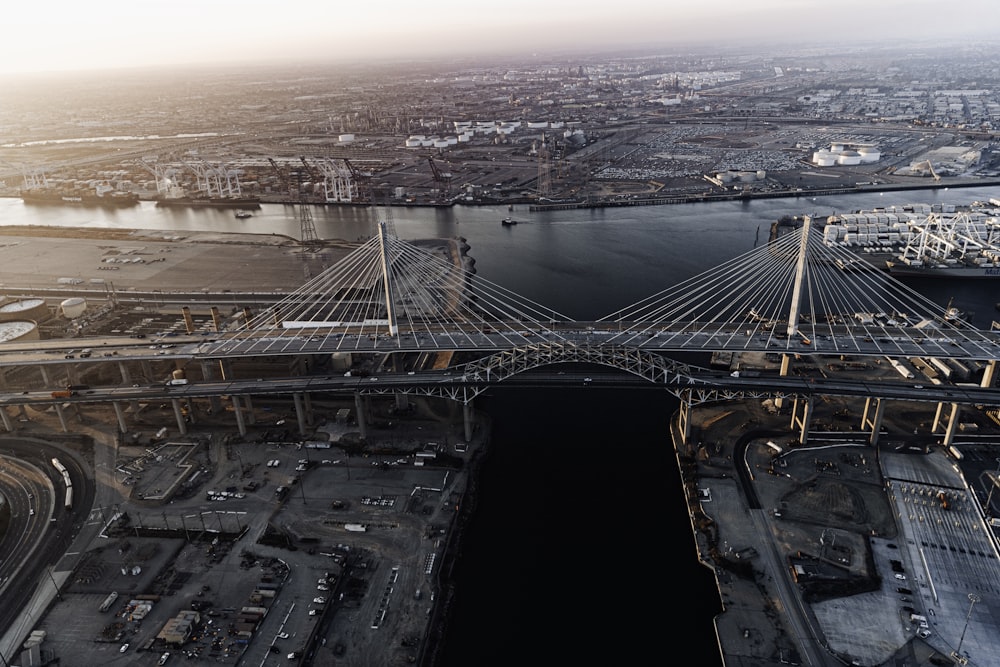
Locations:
679 337
438 382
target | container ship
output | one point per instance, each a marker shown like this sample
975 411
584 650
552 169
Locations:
55 197
923 240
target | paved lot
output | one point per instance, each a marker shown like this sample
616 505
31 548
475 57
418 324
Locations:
844 520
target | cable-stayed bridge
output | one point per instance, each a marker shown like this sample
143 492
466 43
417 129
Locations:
437 328
795 294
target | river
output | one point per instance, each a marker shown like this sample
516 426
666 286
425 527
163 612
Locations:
580 549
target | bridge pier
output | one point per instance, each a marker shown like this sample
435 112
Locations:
124 373
359 407
248 409
989 373
120 414
179 415
60 413
952 422
786 361
684 418
300 412
802 423
45 375
468 419
873 421
208 373
8 425
238 411
147 369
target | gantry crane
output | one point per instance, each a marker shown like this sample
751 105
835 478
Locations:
442 177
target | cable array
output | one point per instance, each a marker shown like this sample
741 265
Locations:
844 298
436 302
390 293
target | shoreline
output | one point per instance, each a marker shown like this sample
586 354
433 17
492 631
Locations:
665 199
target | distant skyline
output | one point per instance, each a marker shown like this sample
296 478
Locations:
71 35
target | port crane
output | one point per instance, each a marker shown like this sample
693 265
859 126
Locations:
442 177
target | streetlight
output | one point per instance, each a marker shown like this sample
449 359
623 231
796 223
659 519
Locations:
973 599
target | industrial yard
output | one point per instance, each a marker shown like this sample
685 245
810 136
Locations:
599 133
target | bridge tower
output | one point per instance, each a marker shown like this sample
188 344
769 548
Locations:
384 249
796 304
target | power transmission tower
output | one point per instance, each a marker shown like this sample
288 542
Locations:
307 229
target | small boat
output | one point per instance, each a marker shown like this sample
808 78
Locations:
508 221
244 214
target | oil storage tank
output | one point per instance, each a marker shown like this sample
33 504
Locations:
73 307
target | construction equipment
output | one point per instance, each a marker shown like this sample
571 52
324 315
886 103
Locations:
926 164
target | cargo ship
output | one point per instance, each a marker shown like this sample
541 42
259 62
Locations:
244 203
55 197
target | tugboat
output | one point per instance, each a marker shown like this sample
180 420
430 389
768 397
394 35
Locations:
243 214
506 222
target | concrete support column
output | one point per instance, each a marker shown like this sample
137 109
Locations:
147 369
307 401
953 419
468 418
300 411
120 414
786 361
938 418
989 373
125 375
208 372
871 418
684 418
802 423
62 417
179 416
248 408
238 411
45 375
359 407
8 425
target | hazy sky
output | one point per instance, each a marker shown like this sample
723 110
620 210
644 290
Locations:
39 35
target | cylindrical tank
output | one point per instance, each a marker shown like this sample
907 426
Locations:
25 309
12 330
73 307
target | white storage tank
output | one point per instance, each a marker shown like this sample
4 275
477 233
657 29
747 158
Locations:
73 307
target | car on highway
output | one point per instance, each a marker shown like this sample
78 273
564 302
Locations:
282 635
123 648
319 600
